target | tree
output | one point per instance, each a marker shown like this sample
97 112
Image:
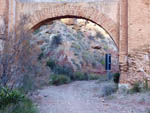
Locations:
19 57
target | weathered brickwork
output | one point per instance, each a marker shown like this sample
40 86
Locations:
138 40
139 64
42 11
127 22
2 16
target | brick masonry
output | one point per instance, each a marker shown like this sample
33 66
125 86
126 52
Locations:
127 22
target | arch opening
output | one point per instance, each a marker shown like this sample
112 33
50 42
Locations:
75 44
48 20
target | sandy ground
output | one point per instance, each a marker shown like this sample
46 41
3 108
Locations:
83 97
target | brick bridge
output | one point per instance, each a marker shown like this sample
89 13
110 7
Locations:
126 21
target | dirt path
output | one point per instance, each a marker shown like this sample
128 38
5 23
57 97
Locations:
83 97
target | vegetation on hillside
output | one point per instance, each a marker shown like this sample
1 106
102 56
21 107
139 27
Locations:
80 46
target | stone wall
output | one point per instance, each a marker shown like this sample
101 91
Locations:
62 1
139 64
138 40
104 14
2 7
127 21
2 16
3 19
138 24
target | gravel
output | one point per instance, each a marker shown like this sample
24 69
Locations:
84 97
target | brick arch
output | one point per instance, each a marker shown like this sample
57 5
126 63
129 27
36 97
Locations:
92 14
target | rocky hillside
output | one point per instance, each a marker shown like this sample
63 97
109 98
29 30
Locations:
77 44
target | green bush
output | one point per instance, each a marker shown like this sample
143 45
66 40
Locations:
51 64
103 62
94 77
136 88
12 101
116 77
59 79
140 86
84 76
9 96
24 106
64 70
100 78
80 76
41 55
145 85
58 69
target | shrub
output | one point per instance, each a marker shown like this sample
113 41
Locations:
84 76
21 59
41 55
64 70
145 85
51 64
93 77
9 96
102 78
56 41
108 88
58 69
139 87
80 76
12 101
116 77
103 62
59 79
26 106
136 88
99 77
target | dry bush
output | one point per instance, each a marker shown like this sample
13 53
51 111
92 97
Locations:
19 58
